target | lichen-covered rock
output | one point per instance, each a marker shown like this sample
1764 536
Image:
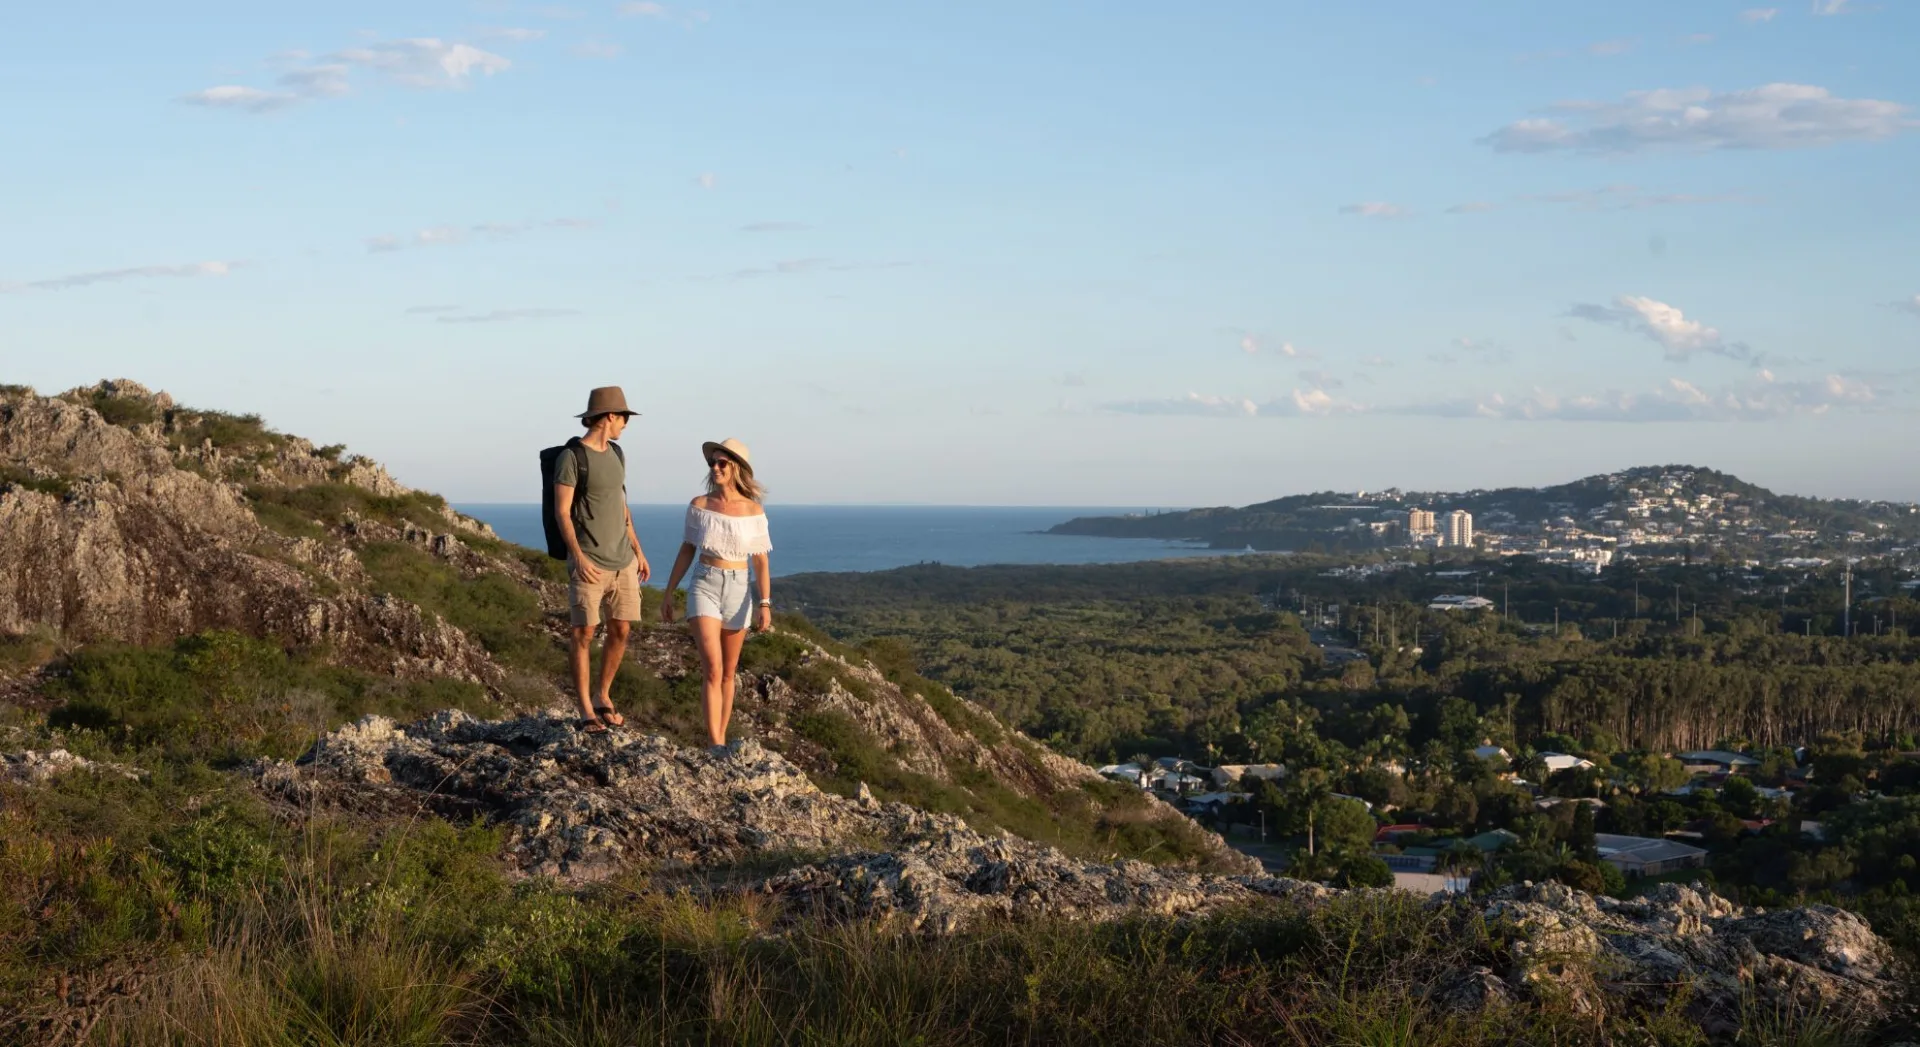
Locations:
1817 959
581 806
31 767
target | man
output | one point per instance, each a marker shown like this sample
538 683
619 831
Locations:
604 560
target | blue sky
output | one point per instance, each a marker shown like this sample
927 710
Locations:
996 253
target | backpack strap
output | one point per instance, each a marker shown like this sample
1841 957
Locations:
580 509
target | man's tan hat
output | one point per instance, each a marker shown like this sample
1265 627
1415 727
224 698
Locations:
608 399
734 449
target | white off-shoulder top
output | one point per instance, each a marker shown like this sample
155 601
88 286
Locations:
727 537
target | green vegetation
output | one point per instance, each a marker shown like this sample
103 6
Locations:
252 934
1080 660
227 698
123 410
501 613
303 510
188 429
57 486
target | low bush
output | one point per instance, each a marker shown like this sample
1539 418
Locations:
57 486
503 614
330 504
123 410
188 429
225 697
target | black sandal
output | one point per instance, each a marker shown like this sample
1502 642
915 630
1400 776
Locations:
589 725
609 716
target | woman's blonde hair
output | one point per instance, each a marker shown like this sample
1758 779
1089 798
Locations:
744 484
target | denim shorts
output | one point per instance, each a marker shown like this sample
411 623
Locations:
716 592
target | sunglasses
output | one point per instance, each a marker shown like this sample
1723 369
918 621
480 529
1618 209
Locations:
719 463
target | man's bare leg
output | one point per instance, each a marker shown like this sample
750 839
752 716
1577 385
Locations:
579 654
612 653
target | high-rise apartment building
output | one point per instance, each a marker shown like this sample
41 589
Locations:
1460 529
1419 523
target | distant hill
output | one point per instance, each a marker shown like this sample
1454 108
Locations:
1691 504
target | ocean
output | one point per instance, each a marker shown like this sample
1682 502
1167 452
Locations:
809 538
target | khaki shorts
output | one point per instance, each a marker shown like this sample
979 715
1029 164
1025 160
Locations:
618 590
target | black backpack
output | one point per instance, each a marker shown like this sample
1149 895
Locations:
549 468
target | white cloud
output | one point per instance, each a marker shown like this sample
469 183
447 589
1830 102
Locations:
1473 207
1665 325
429 310
1774 116
644 9
1831 7
1253 345
499 316
1610 48
448 235
517 35
1375 360
425 61
1376 209
247 99
1321 380
602 49
107 276
707 180
1758 14
1911 305
775 227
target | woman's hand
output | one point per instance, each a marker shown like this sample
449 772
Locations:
765 617
666 607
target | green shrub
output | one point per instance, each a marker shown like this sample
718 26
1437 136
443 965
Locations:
123 410
331 503
22 652
229 432
227 697
57 486
503 614
221 851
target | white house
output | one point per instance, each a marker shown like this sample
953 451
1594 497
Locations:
1491 752
1564 762
1456 602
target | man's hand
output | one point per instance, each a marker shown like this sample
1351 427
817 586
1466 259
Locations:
641 565
584 570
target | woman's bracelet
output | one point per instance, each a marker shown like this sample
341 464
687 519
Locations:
766 603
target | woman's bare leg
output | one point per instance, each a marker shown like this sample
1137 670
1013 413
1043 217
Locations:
730 643
713 666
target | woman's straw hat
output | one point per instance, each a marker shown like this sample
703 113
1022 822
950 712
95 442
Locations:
733 448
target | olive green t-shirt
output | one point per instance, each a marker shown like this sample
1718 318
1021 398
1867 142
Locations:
600 511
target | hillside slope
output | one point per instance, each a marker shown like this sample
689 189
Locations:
127 518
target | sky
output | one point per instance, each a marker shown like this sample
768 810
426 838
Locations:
1101 252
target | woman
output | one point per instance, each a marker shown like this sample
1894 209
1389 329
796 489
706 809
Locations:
727 532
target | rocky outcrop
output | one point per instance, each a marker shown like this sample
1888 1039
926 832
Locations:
33 767
582 806
109 532
1687 943
578 807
